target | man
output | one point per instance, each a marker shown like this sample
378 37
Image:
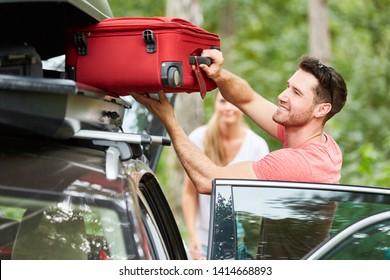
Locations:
313 95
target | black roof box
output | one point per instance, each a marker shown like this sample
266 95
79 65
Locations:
42 24
57 107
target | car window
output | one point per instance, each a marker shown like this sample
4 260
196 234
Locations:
138 120
368 239
69 228
284 221
371 243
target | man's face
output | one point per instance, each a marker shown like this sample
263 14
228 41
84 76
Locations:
296 101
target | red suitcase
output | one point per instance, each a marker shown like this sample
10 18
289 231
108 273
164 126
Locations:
144 55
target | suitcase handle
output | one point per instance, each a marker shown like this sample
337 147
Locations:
200 59
195 61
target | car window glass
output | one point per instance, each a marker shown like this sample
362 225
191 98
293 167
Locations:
288 223
370 243
223 227
67 229
283 222
139 120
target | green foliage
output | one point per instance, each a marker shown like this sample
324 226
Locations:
361 52
269 37
144 8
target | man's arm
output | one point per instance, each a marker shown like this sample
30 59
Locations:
198 166
238 92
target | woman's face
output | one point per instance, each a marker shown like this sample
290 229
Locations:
227 113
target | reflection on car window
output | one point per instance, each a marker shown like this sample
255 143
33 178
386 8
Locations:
371 243
223 247
284 227
155 243
59 230
289 223
247 232
138 120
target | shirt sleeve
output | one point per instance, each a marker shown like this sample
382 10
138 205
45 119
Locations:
284 165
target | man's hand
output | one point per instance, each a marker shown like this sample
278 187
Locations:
159 107
214 70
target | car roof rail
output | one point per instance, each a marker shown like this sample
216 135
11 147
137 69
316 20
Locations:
130 138
118 148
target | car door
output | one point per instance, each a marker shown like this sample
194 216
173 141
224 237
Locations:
253 219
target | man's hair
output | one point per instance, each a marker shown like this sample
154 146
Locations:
331 87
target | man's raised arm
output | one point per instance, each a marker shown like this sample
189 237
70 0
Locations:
238 92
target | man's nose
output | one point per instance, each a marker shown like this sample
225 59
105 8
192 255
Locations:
283 95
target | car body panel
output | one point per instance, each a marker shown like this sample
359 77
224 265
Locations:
253 219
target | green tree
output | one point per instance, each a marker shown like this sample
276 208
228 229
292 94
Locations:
268 38
147 8
271 35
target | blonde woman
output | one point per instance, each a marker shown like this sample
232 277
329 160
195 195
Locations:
225 139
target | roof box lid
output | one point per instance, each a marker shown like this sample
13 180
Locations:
42 24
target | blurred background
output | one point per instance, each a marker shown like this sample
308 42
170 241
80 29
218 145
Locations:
262 41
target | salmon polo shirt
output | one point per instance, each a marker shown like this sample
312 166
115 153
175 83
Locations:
313 162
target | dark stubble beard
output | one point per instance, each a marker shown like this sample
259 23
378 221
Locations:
293 120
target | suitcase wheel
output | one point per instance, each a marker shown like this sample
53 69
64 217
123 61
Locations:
171 74
173 77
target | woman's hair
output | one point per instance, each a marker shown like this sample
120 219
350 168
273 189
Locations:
212 141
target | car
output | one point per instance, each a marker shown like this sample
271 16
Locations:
77 166
272 220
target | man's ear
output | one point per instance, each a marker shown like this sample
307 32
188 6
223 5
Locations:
322 110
